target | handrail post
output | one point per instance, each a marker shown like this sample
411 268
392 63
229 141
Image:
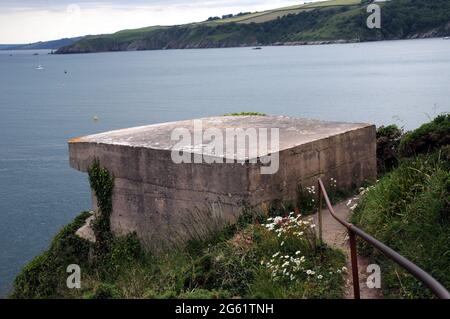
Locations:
354 260
319 212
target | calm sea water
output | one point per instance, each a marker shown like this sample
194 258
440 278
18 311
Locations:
401 82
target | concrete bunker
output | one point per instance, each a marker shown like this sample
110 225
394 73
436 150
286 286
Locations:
168 203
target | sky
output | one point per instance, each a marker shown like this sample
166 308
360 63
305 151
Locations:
27 21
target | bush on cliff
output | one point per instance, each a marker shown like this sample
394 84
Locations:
388 141
393 144
409 210
46 274
427 138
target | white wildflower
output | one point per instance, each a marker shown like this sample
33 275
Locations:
278 220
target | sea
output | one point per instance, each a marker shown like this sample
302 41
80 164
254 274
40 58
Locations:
391 82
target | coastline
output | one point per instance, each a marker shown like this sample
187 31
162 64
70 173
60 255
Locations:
255 45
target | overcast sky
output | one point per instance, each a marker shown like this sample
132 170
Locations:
25 21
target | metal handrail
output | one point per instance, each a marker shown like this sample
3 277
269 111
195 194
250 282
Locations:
353 231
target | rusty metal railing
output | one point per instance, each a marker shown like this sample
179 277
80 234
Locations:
354 231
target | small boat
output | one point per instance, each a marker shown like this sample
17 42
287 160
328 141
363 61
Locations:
446 38
257 48
39 67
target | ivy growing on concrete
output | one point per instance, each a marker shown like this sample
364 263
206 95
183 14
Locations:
102 183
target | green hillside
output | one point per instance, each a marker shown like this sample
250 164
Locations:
328 21
268 15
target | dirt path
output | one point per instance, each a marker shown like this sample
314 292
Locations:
335 235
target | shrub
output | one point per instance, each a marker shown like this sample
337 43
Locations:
388 141
306 199
123 252
427 138
42 277
104 291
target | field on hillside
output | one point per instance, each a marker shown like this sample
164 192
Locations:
264 16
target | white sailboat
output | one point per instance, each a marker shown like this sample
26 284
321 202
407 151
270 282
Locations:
39 67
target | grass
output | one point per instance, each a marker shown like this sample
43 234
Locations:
268 15
232 263
409 210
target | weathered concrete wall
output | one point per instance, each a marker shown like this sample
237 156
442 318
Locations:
167 204
163 202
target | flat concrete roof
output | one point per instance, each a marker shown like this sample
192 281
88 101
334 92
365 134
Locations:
292 131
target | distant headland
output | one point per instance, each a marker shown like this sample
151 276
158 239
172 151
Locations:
335 21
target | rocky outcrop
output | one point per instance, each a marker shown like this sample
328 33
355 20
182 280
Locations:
439 32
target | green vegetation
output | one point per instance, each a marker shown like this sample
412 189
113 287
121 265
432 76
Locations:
388 141
102 183
244 260
324 21
268 15
44 275
428 137
394 144
409 210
